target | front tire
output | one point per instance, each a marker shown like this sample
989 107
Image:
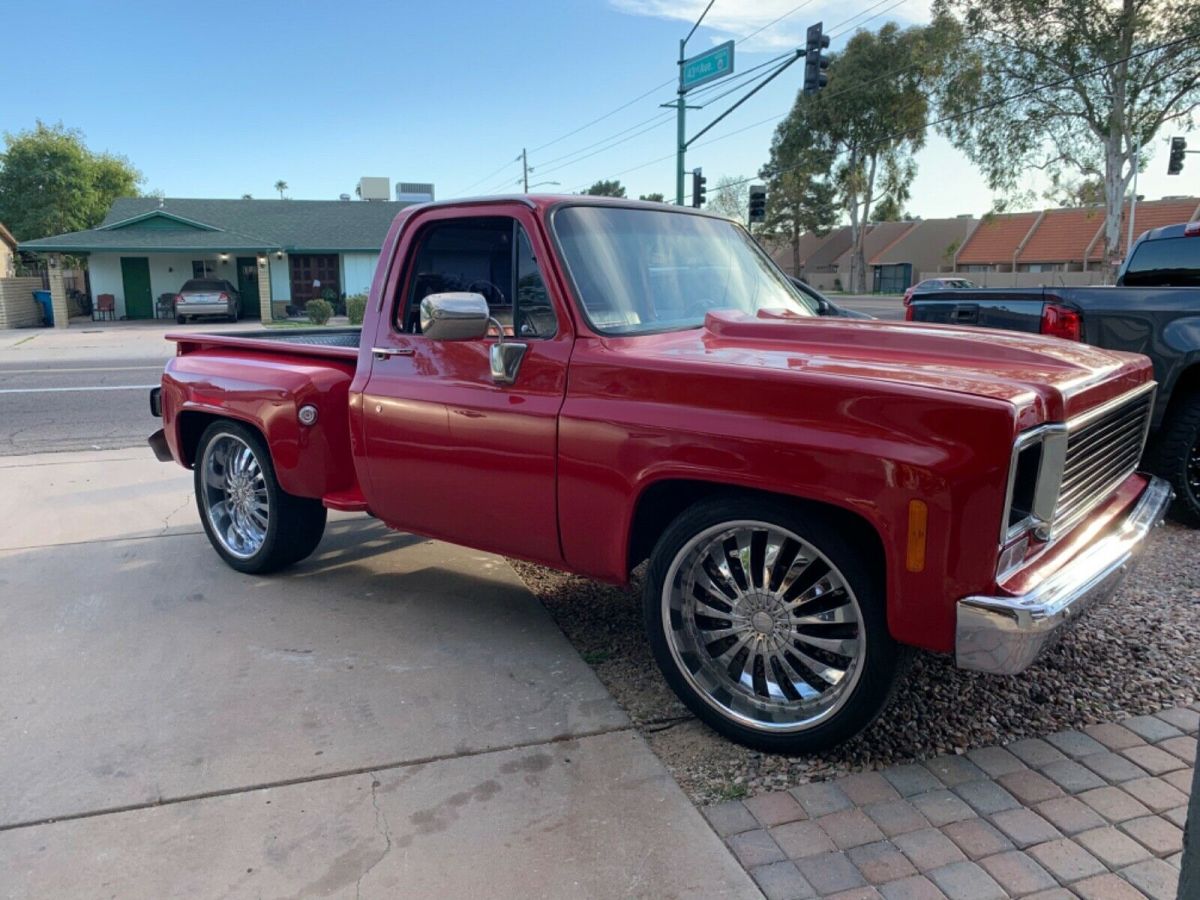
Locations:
770 624
252 523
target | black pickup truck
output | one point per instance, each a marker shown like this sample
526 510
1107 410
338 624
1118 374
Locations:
1153 309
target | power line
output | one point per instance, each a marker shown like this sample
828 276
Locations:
636 99
742 80
775 21
863 12
1001 101
657 117
654 122
487 177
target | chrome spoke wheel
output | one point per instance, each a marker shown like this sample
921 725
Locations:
234 494
763 626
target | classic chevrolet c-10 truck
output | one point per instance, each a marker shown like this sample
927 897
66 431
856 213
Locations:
591 384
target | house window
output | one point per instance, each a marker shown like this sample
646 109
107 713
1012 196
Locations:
203 268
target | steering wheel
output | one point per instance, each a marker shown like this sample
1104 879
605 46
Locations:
497 295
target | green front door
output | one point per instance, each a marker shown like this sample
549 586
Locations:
247 272
135 276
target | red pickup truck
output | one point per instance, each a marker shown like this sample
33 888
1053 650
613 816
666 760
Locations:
590 384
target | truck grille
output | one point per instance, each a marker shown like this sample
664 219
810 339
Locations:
1102 451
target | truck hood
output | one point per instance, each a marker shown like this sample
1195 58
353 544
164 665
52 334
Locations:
1045 379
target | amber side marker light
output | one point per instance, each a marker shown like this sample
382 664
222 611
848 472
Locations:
918 521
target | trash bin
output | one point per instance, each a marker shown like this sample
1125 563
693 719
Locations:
43 298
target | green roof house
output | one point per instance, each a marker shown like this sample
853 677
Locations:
281 251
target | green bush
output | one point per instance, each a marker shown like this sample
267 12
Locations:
318 311
356 308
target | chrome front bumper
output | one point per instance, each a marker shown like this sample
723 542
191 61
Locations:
1004 635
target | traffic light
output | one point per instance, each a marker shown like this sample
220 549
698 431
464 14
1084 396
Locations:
758 203
815 62
1178 148
698 189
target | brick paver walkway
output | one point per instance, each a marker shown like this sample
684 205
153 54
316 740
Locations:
1096 814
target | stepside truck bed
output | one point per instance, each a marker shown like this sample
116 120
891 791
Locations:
263 379
340 343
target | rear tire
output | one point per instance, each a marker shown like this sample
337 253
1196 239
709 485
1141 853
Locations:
770 624
1176 457
252 523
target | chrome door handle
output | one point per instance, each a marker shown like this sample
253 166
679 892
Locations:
388 352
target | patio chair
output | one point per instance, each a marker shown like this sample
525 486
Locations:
164 306
106 307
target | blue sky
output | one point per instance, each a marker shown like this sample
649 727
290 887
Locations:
221 98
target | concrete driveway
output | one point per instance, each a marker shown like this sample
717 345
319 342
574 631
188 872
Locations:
394 717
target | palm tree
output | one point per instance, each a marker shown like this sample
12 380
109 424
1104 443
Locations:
281 186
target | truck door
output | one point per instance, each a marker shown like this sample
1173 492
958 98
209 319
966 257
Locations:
451 453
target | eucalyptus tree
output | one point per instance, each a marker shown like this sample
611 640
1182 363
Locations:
1070 88
866 125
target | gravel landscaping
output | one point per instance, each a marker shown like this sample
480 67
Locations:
1135 654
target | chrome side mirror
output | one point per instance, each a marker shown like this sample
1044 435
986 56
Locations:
457 316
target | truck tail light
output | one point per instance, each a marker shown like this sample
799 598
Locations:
908 312
1061 321
178 299
223 297
1192 229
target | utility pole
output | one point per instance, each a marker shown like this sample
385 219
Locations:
525 169
680 111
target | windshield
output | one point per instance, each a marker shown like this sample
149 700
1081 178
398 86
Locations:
641 270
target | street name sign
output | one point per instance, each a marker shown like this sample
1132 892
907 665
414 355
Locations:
707 66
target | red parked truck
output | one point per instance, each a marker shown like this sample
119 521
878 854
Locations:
589 384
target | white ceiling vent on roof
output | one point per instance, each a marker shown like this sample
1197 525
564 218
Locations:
374 188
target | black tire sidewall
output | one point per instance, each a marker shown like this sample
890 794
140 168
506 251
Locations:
269 555
881 664
1175 443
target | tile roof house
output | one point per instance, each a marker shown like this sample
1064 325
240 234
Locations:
785 258
995 242
1149 214
821 266
281 251
878 238
929 246
1062 237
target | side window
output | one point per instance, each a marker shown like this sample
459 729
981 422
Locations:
490 256
534 314
462 255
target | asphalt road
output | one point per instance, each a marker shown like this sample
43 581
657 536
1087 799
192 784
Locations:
881 307
81 404
100 403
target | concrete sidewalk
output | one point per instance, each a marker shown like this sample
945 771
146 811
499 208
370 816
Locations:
85 340
394 717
